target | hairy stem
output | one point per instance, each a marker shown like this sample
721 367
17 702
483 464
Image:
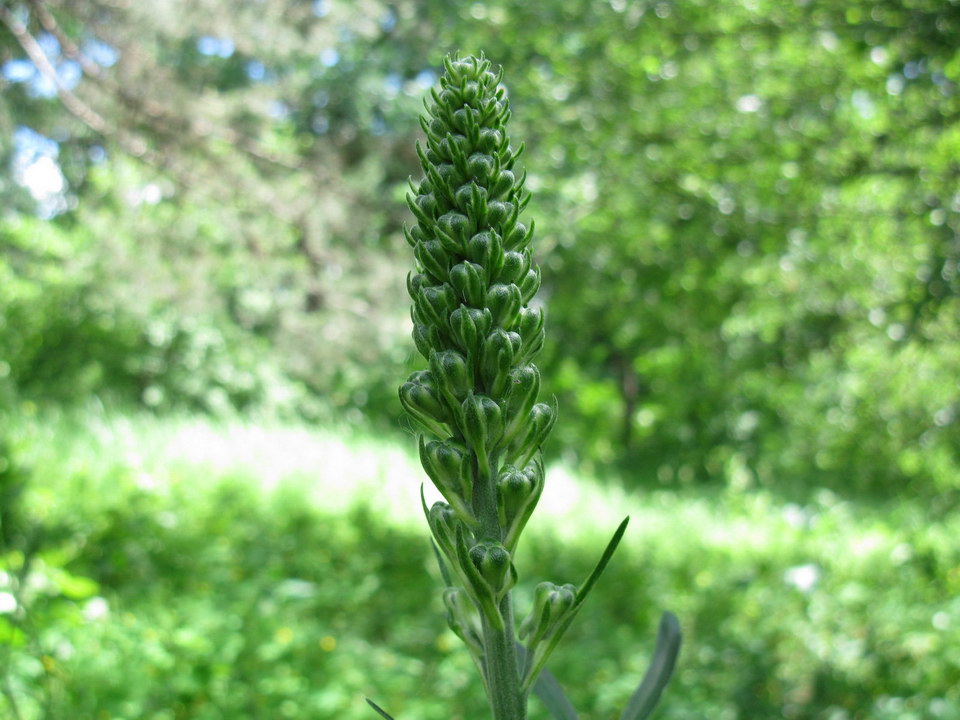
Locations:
507 698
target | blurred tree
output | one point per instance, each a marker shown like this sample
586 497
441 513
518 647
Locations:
748 210
756 223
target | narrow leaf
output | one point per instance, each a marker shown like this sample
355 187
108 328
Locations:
548 689
602 565
444 572
543 652
645 698
383 713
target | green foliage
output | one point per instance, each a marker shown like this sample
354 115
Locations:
67 332
169 588
748 211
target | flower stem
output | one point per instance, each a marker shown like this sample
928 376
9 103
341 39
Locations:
507 698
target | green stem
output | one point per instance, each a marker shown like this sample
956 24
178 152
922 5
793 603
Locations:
507 698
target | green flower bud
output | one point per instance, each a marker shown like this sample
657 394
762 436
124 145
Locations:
499 214
504 302
493 563
453 229
515 267
530 284
503 184
514 490
408 235
448 174
442 519
499 350
442 461
480 166
469 325
470 282
470 91
454 145
523 389
434 258
468 193
427 338
489 141
482 426
420 397
530 322
518 492
486 249
423 218
550 605
451 374
464 118
416 282
518 238
436 302
428 204
532 345
541 420
530 327
447 465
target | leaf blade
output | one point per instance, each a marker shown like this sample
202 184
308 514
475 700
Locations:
602 565
380 711
548 689
662 664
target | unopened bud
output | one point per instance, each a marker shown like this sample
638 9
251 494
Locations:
486 249
415 282
523 388
442 520
420 397
499 213
427 338
499 350
469 280
530 284
493 563
468 192
443 461
504 183
518 238
550 604
434 258
435 304
463 326
451 374
541 420
514 490
515 267
504 302
480 166
490 140
483 425
453 229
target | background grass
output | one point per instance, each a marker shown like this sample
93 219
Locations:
185 567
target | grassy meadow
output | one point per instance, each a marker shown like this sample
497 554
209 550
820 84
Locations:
190 567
